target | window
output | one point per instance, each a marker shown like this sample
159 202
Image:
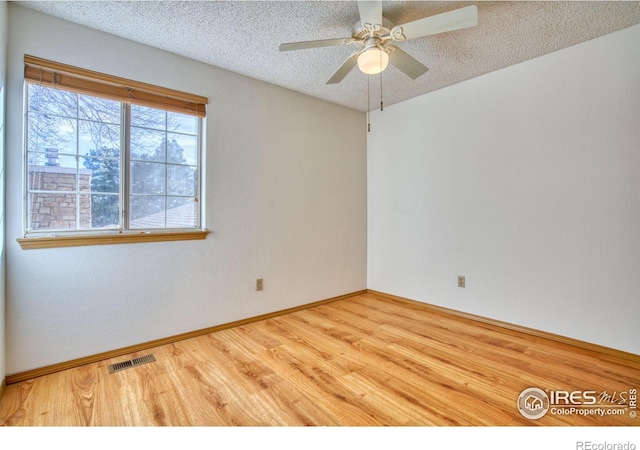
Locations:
108 156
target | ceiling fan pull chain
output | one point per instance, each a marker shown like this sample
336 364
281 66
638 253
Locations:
368 106
381 104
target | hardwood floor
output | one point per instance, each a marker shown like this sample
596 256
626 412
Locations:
365 360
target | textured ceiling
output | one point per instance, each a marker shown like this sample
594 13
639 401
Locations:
243 37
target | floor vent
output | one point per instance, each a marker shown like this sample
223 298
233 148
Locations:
131 363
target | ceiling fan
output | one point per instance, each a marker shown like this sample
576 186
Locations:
374 36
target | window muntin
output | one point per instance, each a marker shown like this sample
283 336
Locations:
80 147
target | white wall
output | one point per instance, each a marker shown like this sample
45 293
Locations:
285 200
3 72
527 182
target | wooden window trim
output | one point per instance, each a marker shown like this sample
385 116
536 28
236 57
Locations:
88 82
32 243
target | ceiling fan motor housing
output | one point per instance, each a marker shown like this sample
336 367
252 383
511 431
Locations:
362 31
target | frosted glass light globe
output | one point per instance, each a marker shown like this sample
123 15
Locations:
373 61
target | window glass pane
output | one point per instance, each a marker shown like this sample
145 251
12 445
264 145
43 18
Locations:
182 149
51 133
148 145
104 173
181 180
147 211
51 101
152 118
52 211
96 138
182 123
98 109
147 178
182 212
99 211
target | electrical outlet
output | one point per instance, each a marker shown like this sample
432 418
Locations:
460 281
259 284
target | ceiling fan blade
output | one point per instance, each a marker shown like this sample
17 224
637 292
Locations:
314 44
449 21
344 69
406 63
370 12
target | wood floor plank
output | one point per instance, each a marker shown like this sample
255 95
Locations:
368 360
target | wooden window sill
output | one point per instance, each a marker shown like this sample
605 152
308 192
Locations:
31 243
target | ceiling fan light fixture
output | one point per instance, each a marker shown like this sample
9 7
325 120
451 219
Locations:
373 61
